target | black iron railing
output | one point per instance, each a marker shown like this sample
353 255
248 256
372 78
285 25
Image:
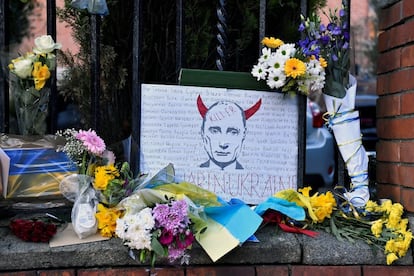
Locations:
95 23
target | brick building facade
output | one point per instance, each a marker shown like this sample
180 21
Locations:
395 109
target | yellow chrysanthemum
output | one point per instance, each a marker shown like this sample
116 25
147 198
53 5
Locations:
40 74
107 220
371 206
295 68
104 174
323 62
395 215
272 42
386 206
402 226
376 228
408 237
391 257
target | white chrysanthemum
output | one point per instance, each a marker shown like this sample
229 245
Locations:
121 228
276 78
142 240
287 50
145 216
135 229
259 71
266 53
314 67
317 75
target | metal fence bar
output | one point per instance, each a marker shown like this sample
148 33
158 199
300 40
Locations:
136 82
262 24
221 35
51 30
95 21
179 37
4 119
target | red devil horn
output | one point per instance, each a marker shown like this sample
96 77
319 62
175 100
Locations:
250 112
201 107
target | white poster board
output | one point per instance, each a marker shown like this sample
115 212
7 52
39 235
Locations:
267 155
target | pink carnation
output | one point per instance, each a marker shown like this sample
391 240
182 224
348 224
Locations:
91 141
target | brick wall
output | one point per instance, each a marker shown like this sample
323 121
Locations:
266 270
395 106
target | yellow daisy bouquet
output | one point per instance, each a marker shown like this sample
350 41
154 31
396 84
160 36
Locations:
287 67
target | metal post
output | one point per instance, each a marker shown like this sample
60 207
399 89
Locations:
302 124
95 71
136 84
51 30
4 96
221 36
341 167
179 37
262 24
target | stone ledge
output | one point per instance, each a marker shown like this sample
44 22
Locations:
275 247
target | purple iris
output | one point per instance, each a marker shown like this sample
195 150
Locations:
325 39
337 30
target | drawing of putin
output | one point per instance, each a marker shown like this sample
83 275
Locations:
223 131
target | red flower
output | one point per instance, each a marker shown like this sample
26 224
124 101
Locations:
33 230
166 237
184 241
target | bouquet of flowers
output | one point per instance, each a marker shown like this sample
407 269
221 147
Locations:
164 230
86 149
29 74
287 67
35 228
379 225
112 184
332 43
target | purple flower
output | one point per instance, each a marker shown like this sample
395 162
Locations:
324 40
345 46
301 27
337 30
346 36
175 253
171 217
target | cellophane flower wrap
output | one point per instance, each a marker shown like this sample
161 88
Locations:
88 151
331 42
29 75
286 67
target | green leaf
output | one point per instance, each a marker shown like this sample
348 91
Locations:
335 231
158 248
